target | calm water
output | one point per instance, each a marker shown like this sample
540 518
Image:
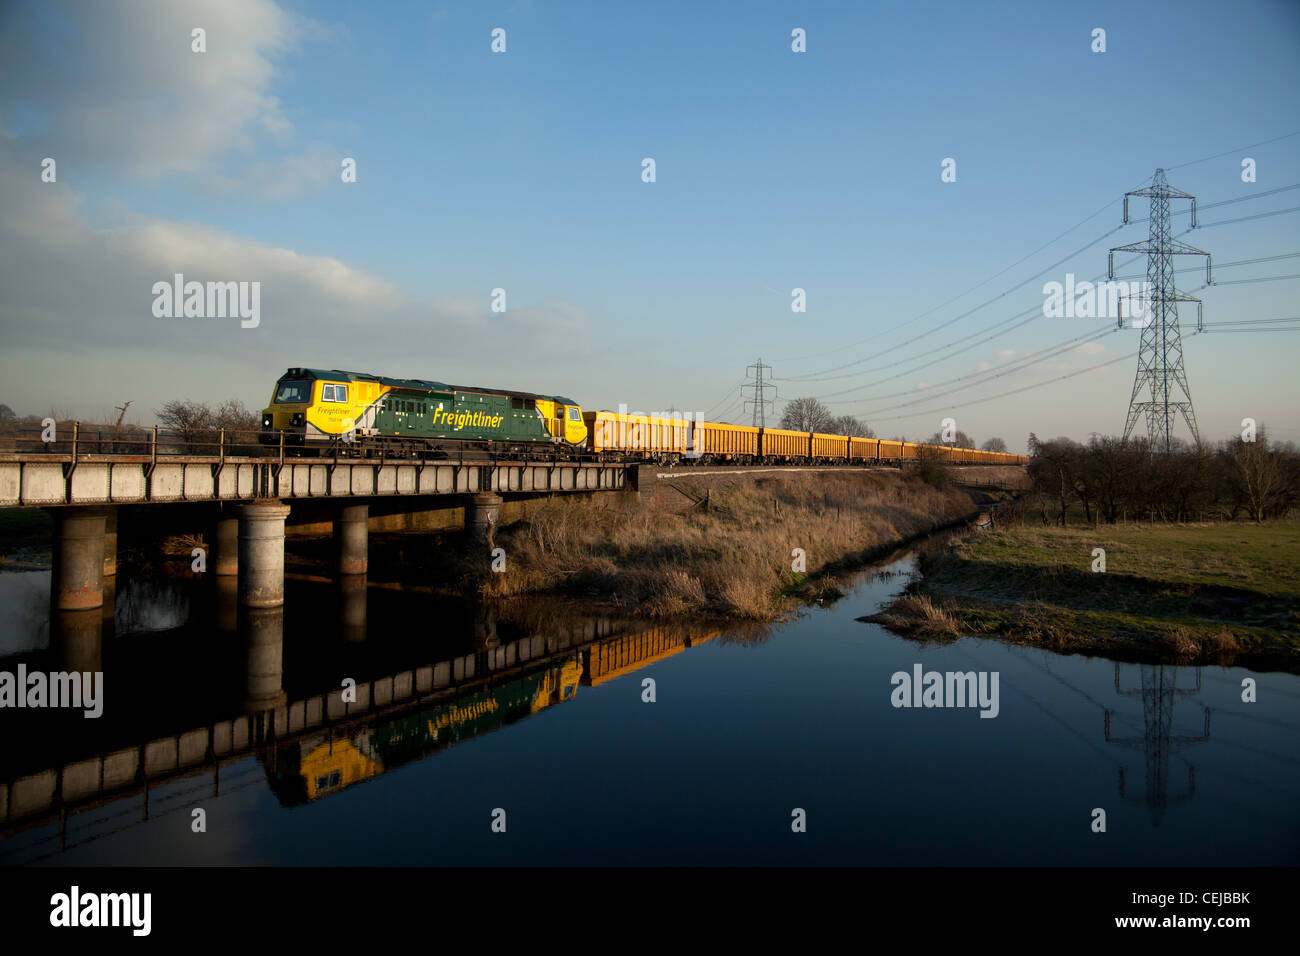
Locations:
745 728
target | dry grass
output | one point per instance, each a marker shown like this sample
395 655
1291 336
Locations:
917 616
733 560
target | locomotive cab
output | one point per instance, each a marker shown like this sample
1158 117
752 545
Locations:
563 418
287 410
307 408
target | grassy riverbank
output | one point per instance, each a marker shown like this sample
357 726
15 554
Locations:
718 546
1200 592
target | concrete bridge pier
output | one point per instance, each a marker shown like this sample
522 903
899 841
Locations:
79 637
261 554
79 550
224 559
481 514
352 607
263 629
351 538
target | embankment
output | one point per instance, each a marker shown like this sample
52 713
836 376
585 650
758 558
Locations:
736 546
1208 593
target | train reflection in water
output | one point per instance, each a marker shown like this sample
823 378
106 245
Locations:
510 661
314 766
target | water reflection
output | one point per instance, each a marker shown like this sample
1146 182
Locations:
1158 692
319 764
314 745
210 706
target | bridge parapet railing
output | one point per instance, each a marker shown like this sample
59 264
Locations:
78 439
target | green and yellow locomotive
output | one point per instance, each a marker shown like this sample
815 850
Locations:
318 408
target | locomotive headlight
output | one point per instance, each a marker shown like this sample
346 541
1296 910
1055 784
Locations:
297 418
266 421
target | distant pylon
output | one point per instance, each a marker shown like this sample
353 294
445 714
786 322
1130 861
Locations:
1160 359
760 401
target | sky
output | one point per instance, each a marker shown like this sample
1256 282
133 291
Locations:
522 170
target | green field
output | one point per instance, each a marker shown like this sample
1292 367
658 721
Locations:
1182 592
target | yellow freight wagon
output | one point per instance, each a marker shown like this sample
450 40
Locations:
637 435
863 449
778 443
729 441
829 446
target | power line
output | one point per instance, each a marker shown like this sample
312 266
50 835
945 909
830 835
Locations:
1288 318
824 374
1236 151
1225 265
1229 202
1258 215
1041 355
983 282
1295 328
1294 275
727 399
1014 391
1028 315
1014 365
813 376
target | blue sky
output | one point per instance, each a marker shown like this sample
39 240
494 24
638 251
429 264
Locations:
522 170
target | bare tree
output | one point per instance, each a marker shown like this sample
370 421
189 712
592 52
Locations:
807 415
1052 465
960 440
234 416
1260 476
199 425
191 420
852 426
994 444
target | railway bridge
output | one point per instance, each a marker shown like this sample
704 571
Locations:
83 482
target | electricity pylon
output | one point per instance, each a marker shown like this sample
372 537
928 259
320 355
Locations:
760 401
1160 368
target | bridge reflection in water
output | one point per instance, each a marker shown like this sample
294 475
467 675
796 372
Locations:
316 745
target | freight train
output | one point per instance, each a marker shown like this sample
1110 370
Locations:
349 413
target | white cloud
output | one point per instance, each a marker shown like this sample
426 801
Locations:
1089 348
117 83
1006 353
76 312
313 168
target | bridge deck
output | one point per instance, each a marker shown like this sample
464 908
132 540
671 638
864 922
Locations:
44 480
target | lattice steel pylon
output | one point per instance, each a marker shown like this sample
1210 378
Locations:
760 400
1160 359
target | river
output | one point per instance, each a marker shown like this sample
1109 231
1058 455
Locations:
536 743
